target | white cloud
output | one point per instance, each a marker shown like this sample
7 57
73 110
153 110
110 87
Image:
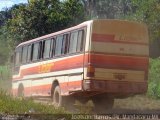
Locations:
19 1
6 3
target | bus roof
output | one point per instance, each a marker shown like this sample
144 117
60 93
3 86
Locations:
57 33
69 29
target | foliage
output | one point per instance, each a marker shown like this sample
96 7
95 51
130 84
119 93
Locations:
154 78
147 11
42 17
27 21
4 73
4 49
4 16
11 105
107 9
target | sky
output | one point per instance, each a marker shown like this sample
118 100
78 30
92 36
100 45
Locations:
9 3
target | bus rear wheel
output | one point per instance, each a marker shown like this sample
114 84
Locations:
20 91
102 104
58 99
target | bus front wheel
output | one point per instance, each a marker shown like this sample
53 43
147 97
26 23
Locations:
20 92
58 99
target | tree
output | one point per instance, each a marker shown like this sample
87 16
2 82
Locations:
39 17
73 10
43 17
147 11
107 9
4 50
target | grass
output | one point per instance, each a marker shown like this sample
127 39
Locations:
11 105
5 85
5 78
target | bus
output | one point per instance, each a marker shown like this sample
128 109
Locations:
98 60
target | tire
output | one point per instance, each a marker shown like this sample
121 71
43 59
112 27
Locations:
20 91
83 100
69 103
58 100
102 104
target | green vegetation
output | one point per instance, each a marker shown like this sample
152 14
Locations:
15 106
27 21
5 78
20 106
4 73
154 78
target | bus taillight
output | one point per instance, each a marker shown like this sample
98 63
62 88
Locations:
90 71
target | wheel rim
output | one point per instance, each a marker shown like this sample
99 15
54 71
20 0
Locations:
56 98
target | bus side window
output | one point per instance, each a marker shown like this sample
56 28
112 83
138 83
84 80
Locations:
18 56
53 47
58 46
47 48
65 44
73 42
40 50
36 51
80 43
29 53
17 59
24 54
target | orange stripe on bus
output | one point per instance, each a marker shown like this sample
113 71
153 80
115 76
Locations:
101 61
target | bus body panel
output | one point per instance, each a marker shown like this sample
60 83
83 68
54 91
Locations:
38 77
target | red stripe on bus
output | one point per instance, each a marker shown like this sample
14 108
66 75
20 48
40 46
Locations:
120 62
103 37
111 38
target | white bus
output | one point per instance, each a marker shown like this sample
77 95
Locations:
98 59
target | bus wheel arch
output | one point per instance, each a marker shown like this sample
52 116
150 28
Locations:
20 92
54 84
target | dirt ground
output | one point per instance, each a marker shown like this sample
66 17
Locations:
140 102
